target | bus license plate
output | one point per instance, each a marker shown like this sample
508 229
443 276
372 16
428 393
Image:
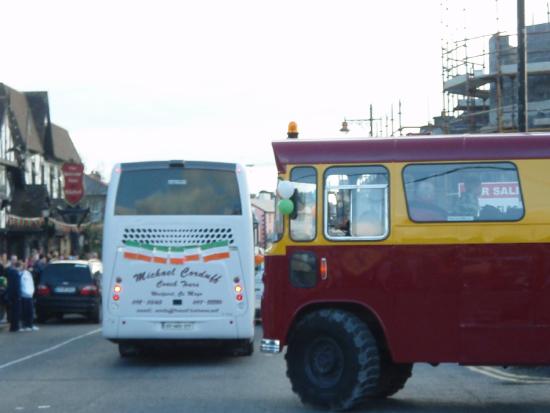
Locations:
178 326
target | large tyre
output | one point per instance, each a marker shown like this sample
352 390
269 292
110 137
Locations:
333 360
393 377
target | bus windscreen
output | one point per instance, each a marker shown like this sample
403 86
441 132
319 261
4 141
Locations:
178 191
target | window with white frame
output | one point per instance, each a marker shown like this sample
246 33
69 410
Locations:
356 203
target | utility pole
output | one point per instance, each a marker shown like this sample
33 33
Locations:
522 71
400 124
370 120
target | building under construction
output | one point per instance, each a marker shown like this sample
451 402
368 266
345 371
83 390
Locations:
480 87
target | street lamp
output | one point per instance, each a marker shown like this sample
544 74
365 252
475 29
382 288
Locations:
46 215
370 120
344 127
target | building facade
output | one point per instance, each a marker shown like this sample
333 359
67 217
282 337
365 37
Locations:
94 201
263 208
32 152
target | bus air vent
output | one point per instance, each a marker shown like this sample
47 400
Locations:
178 236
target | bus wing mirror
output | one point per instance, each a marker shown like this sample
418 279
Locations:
294 199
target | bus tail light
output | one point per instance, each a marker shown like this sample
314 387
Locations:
324 269
117 289
238 290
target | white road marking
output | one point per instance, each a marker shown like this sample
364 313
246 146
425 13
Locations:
506 376
64 343
47 406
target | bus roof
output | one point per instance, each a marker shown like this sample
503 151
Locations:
412 149
136 166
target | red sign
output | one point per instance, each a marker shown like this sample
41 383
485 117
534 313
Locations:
496 189
74 183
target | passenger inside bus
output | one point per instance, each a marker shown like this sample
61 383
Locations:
468 203
424 206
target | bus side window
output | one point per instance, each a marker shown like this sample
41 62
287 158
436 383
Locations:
303 223
356 202
463 192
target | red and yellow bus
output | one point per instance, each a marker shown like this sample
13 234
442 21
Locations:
404 250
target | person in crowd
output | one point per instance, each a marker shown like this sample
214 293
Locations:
424 206
27 292
14 293
38 267
3 295
4 259
54 255
32 258
4 264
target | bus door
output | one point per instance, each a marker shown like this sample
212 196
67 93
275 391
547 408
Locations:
341 260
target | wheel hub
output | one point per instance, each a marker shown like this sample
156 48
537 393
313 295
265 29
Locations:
324 362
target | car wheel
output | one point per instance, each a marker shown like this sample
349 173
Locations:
333 360
41 317
95 316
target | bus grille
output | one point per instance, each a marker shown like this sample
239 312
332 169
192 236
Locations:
178 236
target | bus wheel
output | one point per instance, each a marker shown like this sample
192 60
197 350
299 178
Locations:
332 360
127 350
393 377
242 348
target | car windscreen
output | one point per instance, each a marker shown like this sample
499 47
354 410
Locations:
72 273
178 191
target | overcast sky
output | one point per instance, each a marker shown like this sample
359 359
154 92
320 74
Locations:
219 80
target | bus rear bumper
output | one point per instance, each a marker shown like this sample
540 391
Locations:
121 328
270 346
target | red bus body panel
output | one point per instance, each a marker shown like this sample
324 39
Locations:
412 149
495 309
459 301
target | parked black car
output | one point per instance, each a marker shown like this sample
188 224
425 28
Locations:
69 287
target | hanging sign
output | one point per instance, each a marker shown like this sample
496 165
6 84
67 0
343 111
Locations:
73 174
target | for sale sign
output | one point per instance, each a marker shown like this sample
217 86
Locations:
502 195
73 174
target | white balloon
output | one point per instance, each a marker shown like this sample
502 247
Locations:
285 189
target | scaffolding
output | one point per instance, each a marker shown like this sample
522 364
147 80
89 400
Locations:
479 77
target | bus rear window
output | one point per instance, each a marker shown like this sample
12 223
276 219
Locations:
178 191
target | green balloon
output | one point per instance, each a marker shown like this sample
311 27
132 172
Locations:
286 206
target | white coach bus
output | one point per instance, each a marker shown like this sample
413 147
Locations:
178 256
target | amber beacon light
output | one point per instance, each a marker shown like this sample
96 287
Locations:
292 130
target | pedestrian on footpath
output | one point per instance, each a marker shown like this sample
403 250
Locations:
38 268
14 293
27 292
3 296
